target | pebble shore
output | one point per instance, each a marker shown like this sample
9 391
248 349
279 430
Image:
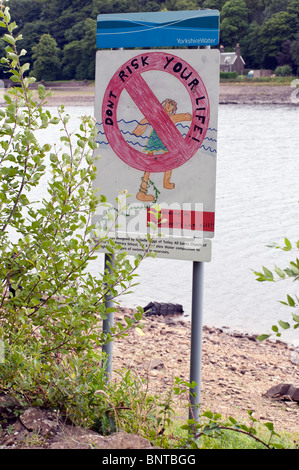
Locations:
237 369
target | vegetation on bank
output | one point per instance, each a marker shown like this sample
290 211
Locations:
244 79
51 337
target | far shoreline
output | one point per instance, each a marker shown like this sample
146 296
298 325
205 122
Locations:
83 94
78 94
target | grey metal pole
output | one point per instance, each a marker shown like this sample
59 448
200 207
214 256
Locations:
108 322
196 334
196 338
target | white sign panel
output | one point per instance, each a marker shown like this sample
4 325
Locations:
156 115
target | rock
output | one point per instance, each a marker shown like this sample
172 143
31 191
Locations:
8 405
38 420
54 433
157 308
154 363
294 357
284 391
75 437
293 392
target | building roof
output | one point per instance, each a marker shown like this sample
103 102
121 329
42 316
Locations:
229 58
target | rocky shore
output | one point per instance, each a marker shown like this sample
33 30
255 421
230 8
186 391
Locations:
83 94
237 369
255 94
238 372
250 94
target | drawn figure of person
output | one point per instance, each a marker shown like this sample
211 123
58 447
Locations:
155 145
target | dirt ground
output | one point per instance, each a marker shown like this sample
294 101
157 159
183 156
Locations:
255 94
237 372
237 369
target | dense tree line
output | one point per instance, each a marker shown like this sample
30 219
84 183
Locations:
60 35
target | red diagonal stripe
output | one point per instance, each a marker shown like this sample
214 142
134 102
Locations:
153 111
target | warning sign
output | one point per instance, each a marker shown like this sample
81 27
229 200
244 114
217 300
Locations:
156 115
175 149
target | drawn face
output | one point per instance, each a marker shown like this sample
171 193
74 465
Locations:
169 107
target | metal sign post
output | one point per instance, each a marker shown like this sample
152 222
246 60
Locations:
157 114
109 321
196 338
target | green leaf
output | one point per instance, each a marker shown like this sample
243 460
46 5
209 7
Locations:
291 301
25 67
268 274
263 337
9 38
280 272
284 325
288 245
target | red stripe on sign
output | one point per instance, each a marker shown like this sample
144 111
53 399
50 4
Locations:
191 220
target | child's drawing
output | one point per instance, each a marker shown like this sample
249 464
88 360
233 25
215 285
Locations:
156 146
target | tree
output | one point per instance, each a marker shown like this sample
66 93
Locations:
251 48
273 33
26 11
275 6
86 66
213 4
79 55
32 32
46 64
72 54
294 50
234 22
256 10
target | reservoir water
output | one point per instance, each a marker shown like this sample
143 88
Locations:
256 204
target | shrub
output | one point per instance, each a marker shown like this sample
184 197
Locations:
283 71
51 307
229 75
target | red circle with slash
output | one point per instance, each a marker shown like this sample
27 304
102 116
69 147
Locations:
179 149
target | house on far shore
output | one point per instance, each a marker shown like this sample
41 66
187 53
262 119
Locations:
231 61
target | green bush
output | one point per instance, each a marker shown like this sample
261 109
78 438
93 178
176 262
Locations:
289 272
228 75
51 308
283 71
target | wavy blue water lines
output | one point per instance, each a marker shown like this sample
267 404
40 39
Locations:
208 149
141 141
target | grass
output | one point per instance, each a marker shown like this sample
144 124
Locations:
244 80
175 437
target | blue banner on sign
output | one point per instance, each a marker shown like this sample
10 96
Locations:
158 29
